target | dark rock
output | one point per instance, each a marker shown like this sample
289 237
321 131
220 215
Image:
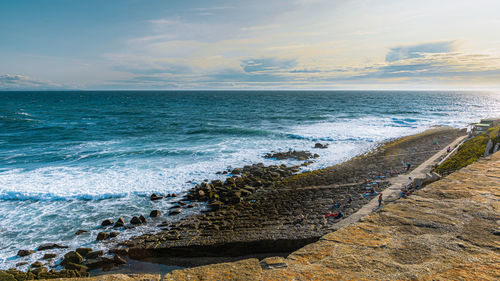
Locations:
142 219
84 251
48 256
174 211
50 246
120 222
102 236
154 197
113 234
37 264
20 264
319 145
155 213
95 254
298 155
23 253
107 222
135 220
77 267
80 231
119 260
174 195
119 251
236 171
39 270
72 257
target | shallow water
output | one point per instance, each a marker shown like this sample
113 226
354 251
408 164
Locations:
71 159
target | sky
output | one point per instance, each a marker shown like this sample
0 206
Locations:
284 44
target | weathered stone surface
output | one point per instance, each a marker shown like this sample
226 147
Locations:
249 269
445 231
50 246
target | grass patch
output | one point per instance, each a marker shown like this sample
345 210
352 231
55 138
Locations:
469 152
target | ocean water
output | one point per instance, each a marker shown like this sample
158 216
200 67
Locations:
68 160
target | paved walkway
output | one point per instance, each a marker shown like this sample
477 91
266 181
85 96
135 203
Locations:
391 193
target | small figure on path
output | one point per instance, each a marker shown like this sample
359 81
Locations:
410 181
408 165
380 200
448 149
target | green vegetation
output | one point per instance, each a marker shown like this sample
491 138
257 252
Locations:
469 152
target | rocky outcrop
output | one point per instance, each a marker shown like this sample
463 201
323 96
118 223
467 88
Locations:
449 230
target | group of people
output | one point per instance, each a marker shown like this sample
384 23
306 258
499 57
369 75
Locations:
409 188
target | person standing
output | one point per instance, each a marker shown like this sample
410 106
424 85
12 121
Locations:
408 165
380 200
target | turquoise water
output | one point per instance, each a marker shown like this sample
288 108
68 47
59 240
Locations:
70 159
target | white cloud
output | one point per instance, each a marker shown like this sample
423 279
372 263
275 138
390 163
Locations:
21 82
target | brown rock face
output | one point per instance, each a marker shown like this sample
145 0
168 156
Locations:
446 231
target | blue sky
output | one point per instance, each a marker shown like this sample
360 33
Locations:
294 44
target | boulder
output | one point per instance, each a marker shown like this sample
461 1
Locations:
113 234
319 145
135 220
174 211
84 251
120 222
77 267
119 260
102 236
95 254
173 195
48 256
72 257
37 264
142 219
155 213
80 231
23 253
236 171
155 197
50 246
107 222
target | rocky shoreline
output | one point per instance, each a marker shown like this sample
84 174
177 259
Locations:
257 210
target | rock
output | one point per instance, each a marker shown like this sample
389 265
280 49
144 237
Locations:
142 219
155 213
316 155
236 171
39 270
174 195
119 260
48 256
84 251
113 234
20 264
72 257
80 231
135 220
120 222
23 253
37 264
102 236
119 251
107 222
77 267
175 211
319 145
95 254
155 197
50 246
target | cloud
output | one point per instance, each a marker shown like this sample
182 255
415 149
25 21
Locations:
21 82
418 51
267 64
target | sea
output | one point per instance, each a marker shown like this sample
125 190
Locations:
70 159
